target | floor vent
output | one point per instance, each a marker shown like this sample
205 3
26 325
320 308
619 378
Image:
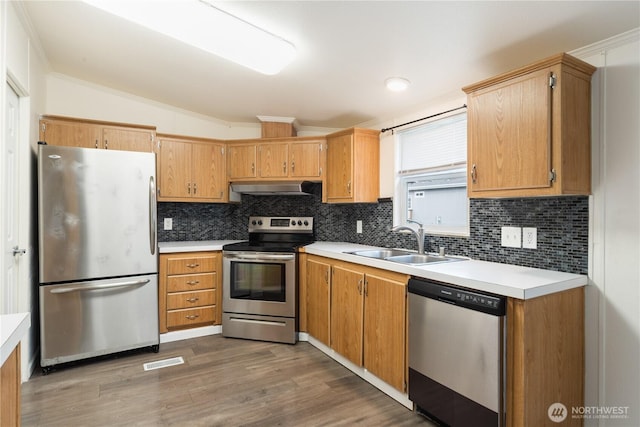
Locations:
163 363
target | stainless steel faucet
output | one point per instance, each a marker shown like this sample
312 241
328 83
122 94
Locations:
419 233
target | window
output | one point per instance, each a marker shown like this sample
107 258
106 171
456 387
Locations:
431 178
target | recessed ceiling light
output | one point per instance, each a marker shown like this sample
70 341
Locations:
200 24
397 84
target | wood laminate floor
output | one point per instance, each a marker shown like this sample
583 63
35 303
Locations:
223 382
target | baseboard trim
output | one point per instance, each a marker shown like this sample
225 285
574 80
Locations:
186 334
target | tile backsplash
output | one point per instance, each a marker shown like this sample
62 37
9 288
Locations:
562 226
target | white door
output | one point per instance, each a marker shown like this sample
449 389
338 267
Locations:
9 205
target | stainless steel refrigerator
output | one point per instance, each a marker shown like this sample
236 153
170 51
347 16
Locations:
97 248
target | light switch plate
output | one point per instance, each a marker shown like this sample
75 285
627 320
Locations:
530 238
359 226
168 223
511 237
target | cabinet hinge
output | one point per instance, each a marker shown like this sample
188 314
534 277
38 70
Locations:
552 81
552 175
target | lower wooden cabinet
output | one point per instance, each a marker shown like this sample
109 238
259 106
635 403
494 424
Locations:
318 292
545 358
189 290
10 389
361 313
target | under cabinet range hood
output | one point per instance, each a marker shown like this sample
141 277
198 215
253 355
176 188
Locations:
270 188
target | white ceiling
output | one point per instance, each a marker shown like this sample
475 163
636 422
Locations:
346 49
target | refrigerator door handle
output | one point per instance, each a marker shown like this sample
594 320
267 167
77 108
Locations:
153 216
64 290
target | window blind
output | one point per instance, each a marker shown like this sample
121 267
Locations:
435 144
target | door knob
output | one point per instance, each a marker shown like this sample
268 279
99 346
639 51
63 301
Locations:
18 251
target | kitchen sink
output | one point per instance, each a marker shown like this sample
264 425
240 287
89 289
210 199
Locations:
381 253
417 259
405 256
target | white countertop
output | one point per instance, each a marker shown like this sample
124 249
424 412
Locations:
12 328
193 246
502 279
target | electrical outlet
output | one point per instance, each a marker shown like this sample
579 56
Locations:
168 223
511 237
530 238
359 226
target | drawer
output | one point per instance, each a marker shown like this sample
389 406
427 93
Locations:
191 299
194 264
191 282
190 316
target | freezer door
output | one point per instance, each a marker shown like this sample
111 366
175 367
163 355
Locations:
96 211
87 319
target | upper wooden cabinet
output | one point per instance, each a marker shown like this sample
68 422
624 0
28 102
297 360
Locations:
529 131
241 161
191 170
353 166
278 159
66 131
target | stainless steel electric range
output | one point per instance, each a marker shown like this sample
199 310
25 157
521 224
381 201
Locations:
259 280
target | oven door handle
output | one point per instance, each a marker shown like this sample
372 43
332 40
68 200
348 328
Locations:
262 257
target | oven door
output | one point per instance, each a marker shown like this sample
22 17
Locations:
261 283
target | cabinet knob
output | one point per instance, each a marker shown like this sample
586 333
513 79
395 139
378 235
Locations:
193 282
193 265
293 166
195 188
284 167
192 300
473 173
192 316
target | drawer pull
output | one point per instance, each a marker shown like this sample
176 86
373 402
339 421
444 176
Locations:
193 282
193 265
192 316
193 299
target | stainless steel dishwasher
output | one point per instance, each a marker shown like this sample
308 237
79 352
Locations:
456 354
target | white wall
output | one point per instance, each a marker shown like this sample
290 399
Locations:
71 97
23 70
613 299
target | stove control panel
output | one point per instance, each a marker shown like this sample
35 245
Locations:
268 224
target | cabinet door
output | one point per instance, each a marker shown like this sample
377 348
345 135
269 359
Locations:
70 134
510 134
339 167
305 159
208 171
114 138
318 294
385 330
346 313
174 169
273 160
241 161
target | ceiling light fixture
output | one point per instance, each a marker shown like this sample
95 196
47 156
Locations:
396 84
200 24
